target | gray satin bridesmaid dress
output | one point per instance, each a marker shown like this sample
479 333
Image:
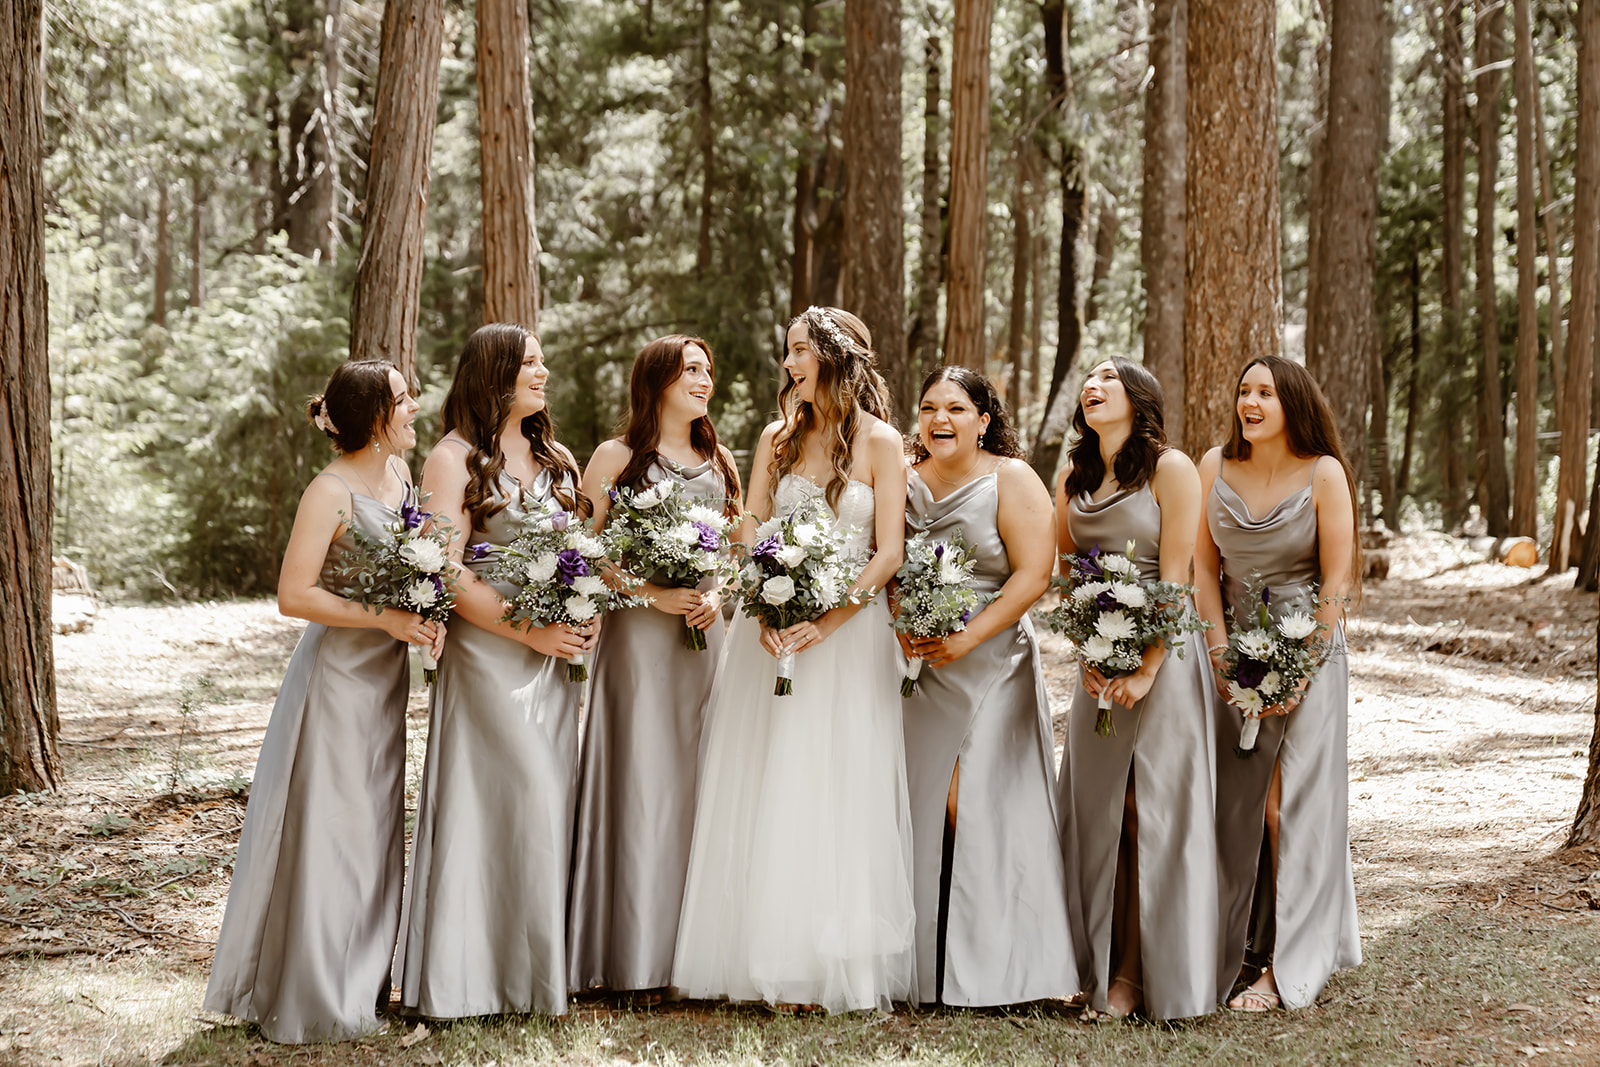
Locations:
310 925
486 904
1165 742
1007 938
641 746
1308 924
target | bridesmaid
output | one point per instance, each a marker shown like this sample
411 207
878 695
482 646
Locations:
641 738
1138 826
486 905
989 886
310 924
1293 903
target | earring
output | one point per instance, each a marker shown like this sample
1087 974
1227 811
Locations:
377 447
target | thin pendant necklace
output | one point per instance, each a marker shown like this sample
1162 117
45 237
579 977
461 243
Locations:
933 468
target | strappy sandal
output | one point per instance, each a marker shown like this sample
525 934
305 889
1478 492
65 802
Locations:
1131 984
1254 1001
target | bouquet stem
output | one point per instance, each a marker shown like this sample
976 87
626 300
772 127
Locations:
1247 737
578 668
1103 723
694 638
430 667
785 683
908 684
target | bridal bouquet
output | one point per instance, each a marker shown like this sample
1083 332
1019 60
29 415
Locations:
798 569
404 569
1267 659
935 598
661 535
556 566
1110 616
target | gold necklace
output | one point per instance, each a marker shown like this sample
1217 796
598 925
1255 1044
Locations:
933 468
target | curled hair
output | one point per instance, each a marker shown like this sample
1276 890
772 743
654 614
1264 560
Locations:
478 405
999 439
847 384
1309 425
1135 463
658 365
355 403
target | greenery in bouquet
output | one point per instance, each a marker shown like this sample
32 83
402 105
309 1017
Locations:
1269 656
664 536
934 595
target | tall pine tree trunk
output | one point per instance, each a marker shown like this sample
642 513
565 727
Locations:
964 339
1105 244
384 303
1452 244
28 720
1552 248
505 144
925 344
163 278
1585 290
804 185
1021 261
708 145
874 267
1341 335
1487 45
1161 237
1413 392
1525 497
1234 285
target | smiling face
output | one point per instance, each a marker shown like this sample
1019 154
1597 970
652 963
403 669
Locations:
800 360
1259 409
685 399
401 431
527 394
1105 400
950 425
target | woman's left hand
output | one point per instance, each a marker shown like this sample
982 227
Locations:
437 648
1129 689
943 651
804 635
710 608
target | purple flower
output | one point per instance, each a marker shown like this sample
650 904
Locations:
1249 672
938 551
479 550
1106 602
1089 565
1266 596
614 495
709 540
966 616
570 566
438 585
559 521
412 515
768 549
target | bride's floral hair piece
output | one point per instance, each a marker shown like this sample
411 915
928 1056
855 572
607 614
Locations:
321 419
820 322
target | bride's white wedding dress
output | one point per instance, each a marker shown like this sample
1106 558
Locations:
799 885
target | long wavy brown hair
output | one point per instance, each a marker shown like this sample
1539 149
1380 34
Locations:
1135 462
1000 439
478 405
848 383
1309 423
658 365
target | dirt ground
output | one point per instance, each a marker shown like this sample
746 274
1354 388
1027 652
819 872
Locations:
1474 701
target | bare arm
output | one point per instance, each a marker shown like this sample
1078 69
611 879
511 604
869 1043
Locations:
1336 533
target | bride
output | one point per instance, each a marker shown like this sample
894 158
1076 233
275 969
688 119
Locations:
799 888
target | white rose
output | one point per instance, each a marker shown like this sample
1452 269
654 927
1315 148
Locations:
1114 625
1257 644
1128 593
590 585
1297 626
424 554
1090 590
1271 684
807 533
1097 649
422 593
951 572
779 590
791 555
581 608
542 568
1246 699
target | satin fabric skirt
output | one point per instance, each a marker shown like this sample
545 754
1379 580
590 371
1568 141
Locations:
799 886
1165 741
641 746
1007 939
310 924
486 904
1307 922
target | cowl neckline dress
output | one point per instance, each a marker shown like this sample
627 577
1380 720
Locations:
1307 922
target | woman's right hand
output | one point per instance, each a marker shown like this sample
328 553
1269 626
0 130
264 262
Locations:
562 641
674 601
1214 655
407 626
905 645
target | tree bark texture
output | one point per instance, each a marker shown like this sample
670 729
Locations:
1585 288
708 144
1021 260
1525 495
309 186
1586 823
1233 299
804 185
1487 45
964 340
1341 336
384 304
505 144
1161 237
28 720
931 245
1552 247
874 265
1413 392
163 278
1452 243
1105 244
